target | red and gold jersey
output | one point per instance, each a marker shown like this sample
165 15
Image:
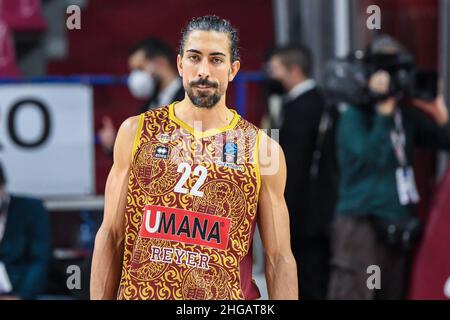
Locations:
191 210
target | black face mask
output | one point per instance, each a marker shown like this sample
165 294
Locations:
273 86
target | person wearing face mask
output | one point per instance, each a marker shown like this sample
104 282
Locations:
153 79
306 136
24 245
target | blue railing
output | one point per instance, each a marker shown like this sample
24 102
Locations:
241 81
94 80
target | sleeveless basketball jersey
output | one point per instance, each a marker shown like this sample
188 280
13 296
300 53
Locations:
191 210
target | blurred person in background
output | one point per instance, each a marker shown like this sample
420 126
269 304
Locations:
153 78
375 224
307 138
24 245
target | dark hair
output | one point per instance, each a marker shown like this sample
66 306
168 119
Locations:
297 55
2 176
212 23
154 47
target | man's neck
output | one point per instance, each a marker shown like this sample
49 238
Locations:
217 116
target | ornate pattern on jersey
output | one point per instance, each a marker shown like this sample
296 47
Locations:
191 211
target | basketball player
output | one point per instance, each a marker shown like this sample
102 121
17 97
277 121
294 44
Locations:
187 188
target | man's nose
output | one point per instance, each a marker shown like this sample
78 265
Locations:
203 71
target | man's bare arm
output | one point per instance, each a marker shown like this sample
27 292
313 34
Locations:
273 223
109 242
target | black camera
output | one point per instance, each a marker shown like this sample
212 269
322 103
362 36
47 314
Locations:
402 234
346 80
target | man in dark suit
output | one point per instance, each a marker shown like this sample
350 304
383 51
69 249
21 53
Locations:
307 138
24 245
153 79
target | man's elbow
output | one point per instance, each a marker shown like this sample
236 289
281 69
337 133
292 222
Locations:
275 259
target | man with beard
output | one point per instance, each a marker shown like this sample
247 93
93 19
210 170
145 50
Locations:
187 188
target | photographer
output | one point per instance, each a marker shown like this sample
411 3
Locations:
375 223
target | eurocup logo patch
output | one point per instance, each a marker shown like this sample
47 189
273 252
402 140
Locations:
230 152
164 138
162 152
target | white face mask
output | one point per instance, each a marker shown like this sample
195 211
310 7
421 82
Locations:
141 84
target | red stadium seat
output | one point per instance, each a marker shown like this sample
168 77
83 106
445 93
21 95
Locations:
8 66
22 15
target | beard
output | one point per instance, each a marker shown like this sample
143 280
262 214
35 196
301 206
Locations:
203 99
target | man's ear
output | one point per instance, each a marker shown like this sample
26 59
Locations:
179 65
235 66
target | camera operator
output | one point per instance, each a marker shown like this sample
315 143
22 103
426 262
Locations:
374 222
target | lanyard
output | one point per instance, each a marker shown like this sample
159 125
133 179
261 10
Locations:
398 139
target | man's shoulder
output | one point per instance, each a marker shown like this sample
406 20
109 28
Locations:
157 112
132 124
244 123
314 94
311 101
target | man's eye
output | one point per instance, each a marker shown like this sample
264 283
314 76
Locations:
217 60
193 58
